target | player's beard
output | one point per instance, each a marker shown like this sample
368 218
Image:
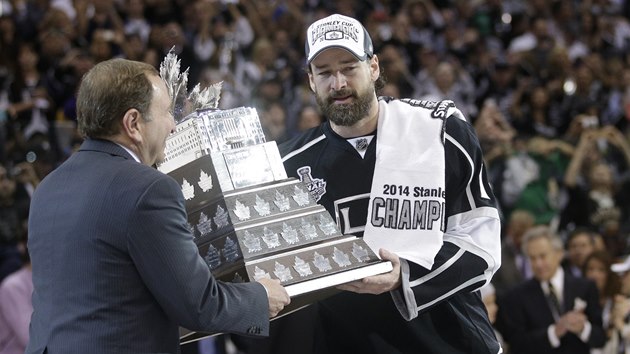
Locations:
347 114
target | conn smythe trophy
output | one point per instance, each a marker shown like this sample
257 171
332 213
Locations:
248 219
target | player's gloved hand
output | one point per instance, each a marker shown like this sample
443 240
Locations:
377 284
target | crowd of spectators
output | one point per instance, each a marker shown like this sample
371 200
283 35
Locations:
546 84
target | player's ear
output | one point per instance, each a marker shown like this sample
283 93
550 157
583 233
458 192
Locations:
310 82
375 70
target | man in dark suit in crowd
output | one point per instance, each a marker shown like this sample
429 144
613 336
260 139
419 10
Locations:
115 268
514 265
553 312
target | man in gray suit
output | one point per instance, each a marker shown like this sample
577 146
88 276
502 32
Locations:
553 312
115 268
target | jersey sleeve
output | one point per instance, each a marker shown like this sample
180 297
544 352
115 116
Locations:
471 252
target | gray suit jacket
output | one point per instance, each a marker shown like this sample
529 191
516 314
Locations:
115 268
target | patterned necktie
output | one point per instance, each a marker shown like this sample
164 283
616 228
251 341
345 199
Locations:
554 303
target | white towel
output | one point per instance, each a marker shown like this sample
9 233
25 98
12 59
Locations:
407 200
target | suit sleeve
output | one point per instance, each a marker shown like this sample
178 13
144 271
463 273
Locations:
471 252
168 261
515 321
593 312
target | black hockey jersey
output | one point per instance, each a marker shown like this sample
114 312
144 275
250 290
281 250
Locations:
436 310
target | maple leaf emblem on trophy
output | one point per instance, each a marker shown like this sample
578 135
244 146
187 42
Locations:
188 190
242 211
205 181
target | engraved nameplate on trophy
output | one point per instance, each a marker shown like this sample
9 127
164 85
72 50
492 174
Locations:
319 266
211 131
234 167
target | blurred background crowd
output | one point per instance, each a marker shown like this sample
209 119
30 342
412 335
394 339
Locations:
546 84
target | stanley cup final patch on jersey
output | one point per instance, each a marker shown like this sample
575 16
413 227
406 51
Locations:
316 186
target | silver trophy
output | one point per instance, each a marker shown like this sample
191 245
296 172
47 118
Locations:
248 219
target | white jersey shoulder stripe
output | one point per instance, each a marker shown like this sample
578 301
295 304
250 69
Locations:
484 193
350 198
462 218
471 200
438 271
466 284
306 146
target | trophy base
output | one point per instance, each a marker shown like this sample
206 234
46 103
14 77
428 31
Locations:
313 285
305 293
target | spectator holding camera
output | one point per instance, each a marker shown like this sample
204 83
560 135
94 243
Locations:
597 197
99 19
29 104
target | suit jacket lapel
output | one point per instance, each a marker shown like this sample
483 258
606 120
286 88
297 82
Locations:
540 301
568 297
